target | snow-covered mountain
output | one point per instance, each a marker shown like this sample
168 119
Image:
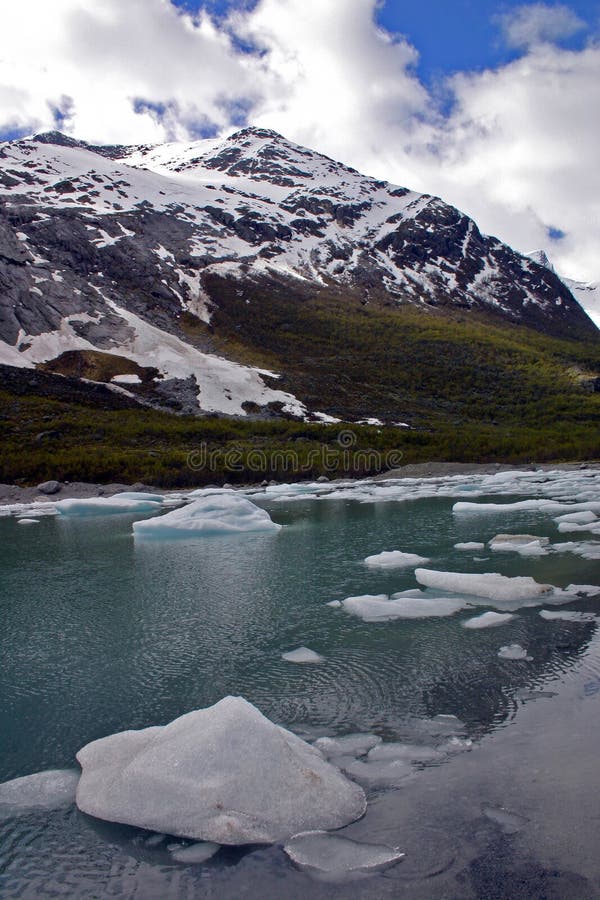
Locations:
587 293
119 250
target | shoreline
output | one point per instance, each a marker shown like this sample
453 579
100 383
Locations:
82 490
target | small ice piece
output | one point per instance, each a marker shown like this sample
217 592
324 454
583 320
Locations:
386 773
489 584
395 559
348 745
28 522
217 514
194 853
302 655
52 789
469 545
525 544
225 774
105 506
336 604
488 620
410 753
330 857
513 651
567 615
381 608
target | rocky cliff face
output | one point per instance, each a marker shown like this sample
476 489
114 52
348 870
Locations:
112 251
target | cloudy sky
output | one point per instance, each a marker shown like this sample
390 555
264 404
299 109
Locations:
494 105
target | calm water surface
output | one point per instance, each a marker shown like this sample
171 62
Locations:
100 634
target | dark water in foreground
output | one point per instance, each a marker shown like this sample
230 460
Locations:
99 634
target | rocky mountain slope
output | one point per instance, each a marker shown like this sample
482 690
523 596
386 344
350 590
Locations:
152 269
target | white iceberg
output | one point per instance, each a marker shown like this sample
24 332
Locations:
513 651
395 559
302 655
215 514
330 857
52 789
488 620
225 774
381 608
491 585
105 506
24 521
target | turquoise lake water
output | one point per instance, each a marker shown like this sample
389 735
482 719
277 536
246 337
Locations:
101 634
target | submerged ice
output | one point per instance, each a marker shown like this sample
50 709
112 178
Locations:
331 857
52 789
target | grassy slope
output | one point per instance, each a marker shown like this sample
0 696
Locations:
474 390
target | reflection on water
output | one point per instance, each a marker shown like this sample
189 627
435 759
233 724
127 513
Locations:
101 634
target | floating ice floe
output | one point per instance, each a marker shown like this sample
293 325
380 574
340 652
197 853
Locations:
585 549
216 514
194 853
302 655
23 521
106 506
404 605
225 774
386 773
395 559
488 620
330 857
541 505
48 790
469 545
585 517
570 526
514 651
567 615
491 585
347 745
525 544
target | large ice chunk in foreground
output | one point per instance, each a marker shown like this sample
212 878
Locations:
44 790
210 515
224 774
489 584
395 559
330 857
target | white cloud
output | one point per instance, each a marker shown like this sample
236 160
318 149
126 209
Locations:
538 23
518 151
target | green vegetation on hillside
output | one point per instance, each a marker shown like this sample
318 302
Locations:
472 389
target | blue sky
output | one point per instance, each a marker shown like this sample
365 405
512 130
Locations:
450 35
